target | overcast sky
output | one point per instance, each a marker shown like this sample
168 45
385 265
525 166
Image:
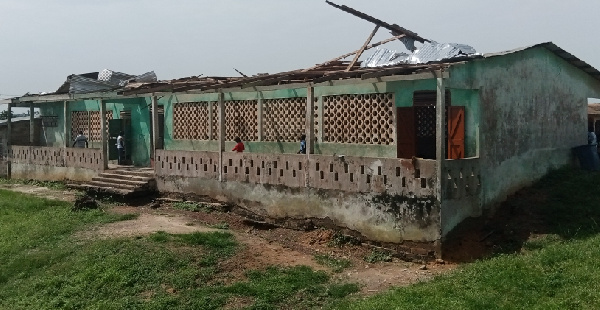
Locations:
43 41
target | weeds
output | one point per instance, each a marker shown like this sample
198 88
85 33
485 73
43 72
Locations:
336 264
378 256
340 240
222 225
49 184
192 206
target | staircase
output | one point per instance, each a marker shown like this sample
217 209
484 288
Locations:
123 181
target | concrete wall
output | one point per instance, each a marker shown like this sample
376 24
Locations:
461 190
387 200
533 108
54 164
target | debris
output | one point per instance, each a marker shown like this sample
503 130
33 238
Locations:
423 267
85 202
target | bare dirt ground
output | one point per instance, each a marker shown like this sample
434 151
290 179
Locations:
262 247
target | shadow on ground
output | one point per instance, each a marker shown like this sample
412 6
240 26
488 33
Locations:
565 204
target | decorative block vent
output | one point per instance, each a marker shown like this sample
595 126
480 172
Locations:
359 119
241 120
191 121
284 120
89 123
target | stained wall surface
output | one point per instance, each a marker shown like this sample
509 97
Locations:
533 107
387 200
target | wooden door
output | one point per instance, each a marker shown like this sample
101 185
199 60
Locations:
456 132
405 132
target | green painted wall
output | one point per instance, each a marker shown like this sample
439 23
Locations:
532 107
139 133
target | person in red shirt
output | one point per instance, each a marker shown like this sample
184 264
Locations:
239 147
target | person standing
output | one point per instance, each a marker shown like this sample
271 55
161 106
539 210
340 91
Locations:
81 141
121 148
302 145
239 147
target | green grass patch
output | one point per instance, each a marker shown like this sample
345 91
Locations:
336 264
378 256
559 269
45 266
222 225
49 184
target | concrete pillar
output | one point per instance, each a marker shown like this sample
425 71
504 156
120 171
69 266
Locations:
221 134
260 117
103 134
67 125
440 133
310 120
9 140
155 129
31 124
211 134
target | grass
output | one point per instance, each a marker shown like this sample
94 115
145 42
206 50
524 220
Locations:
336 264
378 256
49 184
44 266
558 271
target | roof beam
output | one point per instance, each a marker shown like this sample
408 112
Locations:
395 29
362 49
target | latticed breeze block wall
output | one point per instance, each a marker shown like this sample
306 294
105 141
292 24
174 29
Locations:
191 121
89 123
359 119
57 157
241 120
284 120
349 174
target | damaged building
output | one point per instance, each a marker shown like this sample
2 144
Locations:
401 147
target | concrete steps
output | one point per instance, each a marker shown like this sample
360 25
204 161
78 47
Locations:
123 182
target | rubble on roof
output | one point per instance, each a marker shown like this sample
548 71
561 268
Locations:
428 52
102 81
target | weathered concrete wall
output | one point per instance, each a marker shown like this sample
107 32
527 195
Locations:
461 189
533 111
387 200
54 164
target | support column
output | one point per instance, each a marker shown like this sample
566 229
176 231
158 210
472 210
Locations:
310 120
66 123
9 141
260 116
221 134
31 125
440 154
103 134
211 134
440 133
155 128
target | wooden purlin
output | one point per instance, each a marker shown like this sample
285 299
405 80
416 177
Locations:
352 53
362 49
395 29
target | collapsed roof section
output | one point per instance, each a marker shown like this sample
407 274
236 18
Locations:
429 52
102 81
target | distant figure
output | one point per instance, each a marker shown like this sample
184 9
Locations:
81 141
302 145
121 147
239 147
592 140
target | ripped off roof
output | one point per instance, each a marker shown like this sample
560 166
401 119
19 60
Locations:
102 81
428 52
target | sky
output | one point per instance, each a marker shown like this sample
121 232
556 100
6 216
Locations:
42 42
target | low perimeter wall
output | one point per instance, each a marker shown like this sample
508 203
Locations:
54 164
383 199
